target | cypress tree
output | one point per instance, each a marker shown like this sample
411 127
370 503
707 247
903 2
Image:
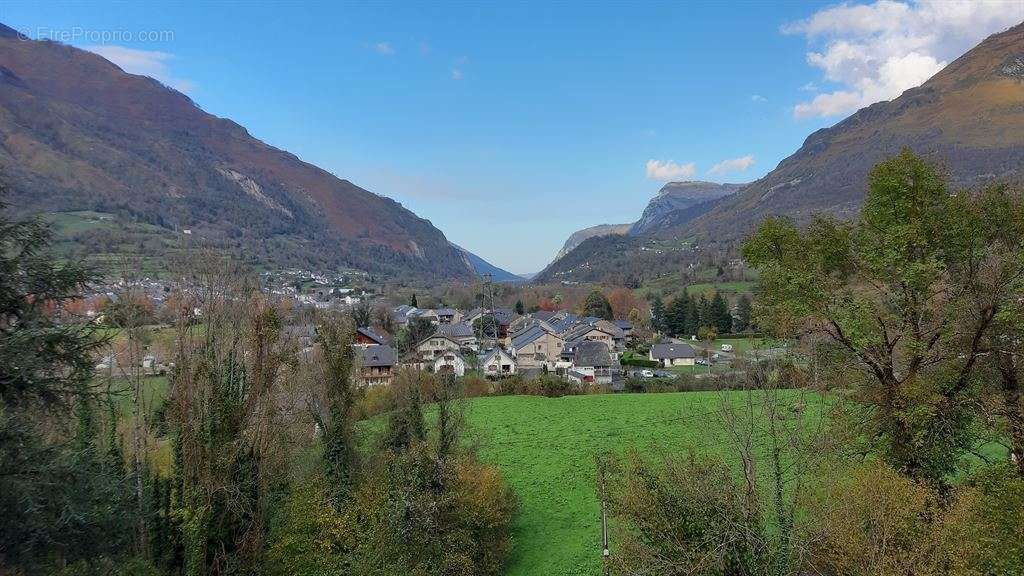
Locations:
743 313
692 316
658 315
721 315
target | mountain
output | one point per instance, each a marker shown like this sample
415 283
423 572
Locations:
77 133
675 204
679 196
968 118
482 267
599 230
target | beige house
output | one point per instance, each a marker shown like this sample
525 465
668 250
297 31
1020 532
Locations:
536 348
591 333
435 346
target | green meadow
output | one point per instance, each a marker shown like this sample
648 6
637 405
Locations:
546 449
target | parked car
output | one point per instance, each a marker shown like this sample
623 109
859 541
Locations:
647 373
726 347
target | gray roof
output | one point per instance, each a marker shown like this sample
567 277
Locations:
589 353
373 335
564 324
446 312
672 351
624 324
525 337
459 330
495 352
577 331
504 316
378 355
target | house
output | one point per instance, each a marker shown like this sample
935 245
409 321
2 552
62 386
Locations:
593 333
447 315
460 332
436 345
377 364
449 362
627 328
594 361
505 317
367 336
535 348
497 362
675 354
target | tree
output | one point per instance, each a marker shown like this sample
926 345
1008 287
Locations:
362 314
683 516
896 292
418 330
520 309
658 315
597 305
334 408
743 313
412 301
622 300
62 498
676 319
720 315
692 318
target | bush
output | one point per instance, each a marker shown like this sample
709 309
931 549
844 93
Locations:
683 516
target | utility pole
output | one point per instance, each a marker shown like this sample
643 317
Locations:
606 567
490 309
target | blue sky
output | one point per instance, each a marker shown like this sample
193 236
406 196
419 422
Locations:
512 125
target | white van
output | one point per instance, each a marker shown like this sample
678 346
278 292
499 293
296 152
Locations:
726 347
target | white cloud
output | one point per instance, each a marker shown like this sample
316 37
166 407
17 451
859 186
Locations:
758 98
457 74
876 51
809 87
669 170
733 165
150 63
384 48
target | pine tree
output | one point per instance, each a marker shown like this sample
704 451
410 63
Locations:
520 309
658 315
597 305
720 314
677 315
412 301
692 317
743 313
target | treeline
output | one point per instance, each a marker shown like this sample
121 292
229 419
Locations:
258 458
686 315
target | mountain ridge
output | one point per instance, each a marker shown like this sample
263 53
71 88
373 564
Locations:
79 133
968 118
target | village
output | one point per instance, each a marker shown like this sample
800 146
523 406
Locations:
498 343
493 343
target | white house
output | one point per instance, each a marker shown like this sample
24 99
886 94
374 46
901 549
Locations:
450 363
676 354
497 362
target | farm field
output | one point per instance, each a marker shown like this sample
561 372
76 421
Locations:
545 448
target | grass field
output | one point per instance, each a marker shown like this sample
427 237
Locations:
545 448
